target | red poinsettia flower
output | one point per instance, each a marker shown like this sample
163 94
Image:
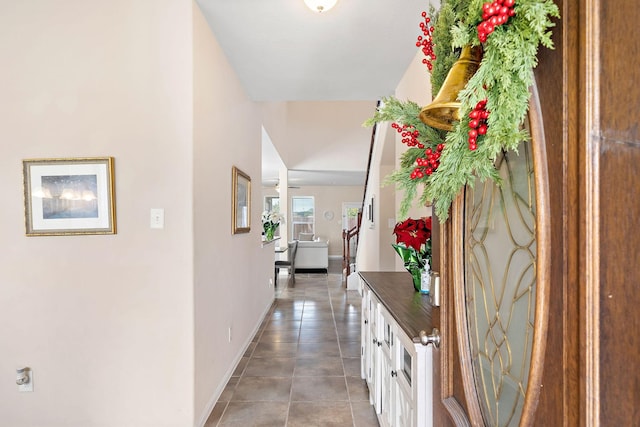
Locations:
413 232
427 224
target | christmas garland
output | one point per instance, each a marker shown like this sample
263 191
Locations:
494 102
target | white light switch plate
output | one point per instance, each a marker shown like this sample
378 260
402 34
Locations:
157 218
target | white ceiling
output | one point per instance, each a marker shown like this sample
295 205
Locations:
282 51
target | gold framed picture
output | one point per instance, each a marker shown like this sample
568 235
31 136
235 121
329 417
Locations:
69 196
241 201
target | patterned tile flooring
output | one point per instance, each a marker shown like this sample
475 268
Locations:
303 366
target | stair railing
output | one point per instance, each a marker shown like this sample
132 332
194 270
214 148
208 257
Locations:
354 232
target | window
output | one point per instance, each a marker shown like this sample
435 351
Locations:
350 215
272 203
302 216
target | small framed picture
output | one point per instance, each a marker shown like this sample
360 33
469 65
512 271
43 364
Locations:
241 201
69 196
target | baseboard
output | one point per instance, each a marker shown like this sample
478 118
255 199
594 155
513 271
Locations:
216 395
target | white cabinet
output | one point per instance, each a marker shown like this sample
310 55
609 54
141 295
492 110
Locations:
387 372
397 370
370 358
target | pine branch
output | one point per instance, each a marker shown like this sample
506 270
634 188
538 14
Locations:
503 79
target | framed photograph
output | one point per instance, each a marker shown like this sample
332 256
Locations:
241 201
69 196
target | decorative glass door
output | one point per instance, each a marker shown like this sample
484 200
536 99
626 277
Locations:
494 258
500 286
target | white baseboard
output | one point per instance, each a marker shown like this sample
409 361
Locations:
216 395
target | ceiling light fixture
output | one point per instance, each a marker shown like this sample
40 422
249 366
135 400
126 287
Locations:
320 5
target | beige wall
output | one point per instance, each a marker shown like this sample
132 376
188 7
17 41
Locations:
232 272
375 252
129 329
105 322
317 123
415 86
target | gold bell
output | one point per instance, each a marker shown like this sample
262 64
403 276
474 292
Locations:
445 109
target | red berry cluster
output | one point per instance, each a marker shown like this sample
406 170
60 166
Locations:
427 41
409 135
427 165
478 123
493 15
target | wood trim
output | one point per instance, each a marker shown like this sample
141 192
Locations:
447 357
543 261
590 259
570 47
456 412
457 225
445 326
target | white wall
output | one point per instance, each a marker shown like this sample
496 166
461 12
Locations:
105 322
374 250
317 123
129 329
232 272
415 86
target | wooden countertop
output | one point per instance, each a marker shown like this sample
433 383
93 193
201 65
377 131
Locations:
410 309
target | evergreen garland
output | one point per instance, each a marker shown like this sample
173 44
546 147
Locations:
503 79
446 54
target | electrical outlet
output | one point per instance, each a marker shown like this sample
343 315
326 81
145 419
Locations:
27 387
229 333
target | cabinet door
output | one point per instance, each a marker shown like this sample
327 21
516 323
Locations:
408 379
404 416
373 380
387 374
365 336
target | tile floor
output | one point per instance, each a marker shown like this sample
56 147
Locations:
303 366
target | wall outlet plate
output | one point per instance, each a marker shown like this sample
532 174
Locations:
28 387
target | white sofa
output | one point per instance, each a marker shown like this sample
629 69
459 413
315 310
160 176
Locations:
312 255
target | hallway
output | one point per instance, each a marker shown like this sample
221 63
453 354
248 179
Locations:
303 366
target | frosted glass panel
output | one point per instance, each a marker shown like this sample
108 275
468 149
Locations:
500 285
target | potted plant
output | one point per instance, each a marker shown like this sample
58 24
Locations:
413 244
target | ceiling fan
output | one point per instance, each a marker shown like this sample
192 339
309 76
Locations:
289 186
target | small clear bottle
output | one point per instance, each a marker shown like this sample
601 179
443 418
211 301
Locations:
425 282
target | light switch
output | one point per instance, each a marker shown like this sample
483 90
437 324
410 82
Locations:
157 218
